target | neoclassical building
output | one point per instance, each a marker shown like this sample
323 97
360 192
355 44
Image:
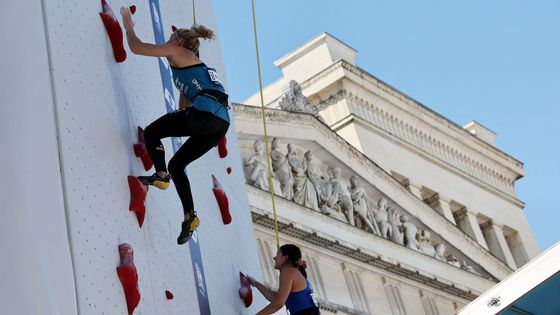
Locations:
398 210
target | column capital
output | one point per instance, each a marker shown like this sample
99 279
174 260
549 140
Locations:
460 213
488 224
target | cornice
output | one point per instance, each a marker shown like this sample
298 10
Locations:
409 103
436 221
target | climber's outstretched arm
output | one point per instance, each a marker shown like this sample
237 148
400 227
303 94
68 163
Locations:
266 292
138 47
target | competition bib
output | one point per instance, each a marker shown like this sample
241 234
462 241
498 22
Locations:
214 76
313 299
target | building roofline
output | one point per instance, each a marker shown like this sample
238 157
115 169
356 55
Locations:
436 115
292 53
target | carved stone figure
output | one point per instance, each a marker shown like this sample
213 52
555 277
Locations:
361 207
341 196
440 252
410 232
294 100
281 170
452 260
425 243
304 191
315 175
257 166
469 268
394 220
328 204
381 216
325 188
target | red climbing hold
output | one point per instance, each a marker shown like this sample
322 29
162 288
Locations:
140 149
173 28
222 200
138 192
141 152
114 30
132 9
169 295
141 138
228 170
222 149
245 292
129 277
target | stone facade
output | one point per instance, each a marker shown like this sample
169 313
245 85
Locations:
398 210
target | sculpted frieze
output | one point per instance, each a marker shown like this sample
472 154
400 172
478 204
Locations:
308 181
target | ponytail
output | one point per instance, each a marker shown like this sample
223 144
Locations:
302 270
202 31
191 36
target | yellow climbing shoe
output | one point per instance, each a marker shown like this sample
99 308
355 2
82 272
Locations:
187 229
155 180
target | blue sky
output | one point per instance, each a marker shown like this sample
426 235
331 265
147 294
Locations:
496 62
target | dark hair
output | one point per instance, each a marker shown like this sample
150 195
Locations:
294 255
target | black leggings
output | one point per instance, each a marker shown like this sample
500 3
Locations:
204 131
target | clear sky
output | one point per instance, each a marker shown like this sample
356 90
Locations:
496 62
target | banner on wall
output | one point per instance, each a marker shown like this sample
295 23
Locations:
196 256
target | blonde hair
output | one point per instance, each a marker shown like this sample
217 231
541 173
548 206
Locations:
191 36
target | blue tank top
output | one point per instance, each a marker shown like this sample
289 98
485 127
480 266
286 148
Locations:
301 300
192 80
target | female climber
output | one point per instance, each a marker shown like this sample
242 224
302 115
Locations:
295 290
202 115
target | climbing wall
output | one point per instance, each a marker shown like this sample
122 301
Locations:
97 106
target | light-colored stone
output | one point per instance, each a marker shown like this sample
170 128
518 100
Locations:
359 132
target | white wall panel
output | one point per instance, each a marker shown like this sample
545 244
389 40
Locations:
98 104
36 268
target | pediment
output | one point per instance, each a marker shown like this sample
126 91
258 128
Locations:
393 212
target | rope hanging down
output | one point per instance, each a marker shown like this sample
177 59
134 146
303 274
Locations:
267 150
193 13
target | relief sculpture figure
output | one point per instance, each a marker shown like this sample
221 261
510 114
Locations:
398 229
257 166
425 243
281 170
381 216
322 184
341 195
304 191
329 198
361 207
410 232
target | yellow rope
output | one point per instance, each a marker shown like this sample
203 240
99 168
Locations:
264 125
193 13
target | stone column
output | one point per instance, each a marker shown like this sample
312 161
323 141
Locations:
497 243
468 223
446 210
